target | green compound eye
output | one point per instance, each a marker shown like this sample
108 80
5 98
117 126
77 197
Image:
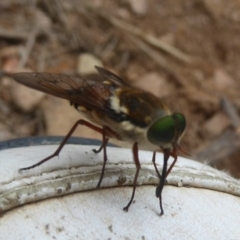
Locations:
168 129
181 122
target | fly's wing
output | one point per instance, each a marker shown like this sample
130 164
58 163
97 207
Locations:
89 93
54 84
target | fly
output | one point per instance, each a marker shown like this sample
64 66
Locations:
116 110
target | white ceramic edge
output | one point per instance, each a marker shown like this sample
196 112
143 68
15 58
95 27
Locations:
78 169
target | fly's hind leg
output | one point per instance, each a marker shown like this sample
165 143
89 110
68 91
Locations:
56 153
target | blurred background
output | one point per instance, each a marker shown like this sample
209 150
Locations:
186 52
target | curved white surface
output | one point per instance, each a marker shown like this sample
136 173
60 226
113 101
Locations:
199 202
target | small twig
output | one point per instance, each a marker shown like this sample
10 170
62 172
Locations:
220 149
27 51
109 49
152 53
41 61
13 34
231 111
4 108
56 10
123 63
225 145
150 39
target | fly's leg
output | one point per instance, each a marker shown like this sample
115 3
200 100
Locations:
162 180
106 131
154 164
56 153
165 172
138 166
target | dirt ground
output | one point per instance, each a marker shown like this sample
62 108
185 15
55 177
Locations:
187 52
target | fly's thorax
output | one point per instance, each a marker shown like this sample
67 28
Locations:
115 104
137 106
167 130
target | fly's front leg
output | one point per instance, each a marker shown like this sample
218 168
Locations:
162 180
154 164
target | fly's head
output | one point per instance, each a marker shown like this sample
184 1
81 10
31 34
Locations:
167 131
